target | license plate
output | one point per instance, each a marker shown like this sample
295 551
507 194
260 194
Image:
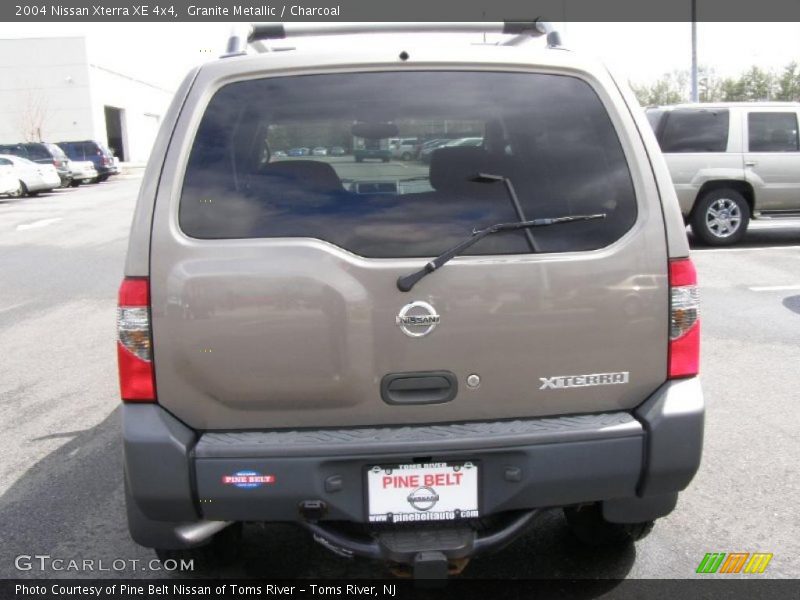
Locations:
422 492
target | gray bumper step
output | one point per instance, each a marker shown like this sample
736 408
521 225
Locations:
409 439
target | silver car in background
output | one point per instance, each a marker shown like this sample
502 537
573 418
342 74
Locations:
83 171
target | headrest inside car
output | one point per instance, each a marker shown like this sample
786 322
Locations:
452 170
302 175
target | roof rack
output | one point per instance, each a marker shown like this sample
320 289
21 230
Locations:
256 33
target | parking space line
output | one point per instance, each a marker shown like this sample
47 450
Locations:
773 288
12 307
751 249
37 224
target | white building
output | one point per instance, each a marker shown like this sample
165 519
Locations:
59 89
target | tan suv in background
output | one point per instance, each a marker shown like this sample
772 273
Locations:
731 163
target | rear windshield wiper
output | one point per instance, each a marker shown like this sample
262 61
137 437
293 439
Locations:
406 282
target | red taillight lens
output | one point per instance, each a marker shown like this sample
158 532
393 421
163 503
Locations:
134 343
684 325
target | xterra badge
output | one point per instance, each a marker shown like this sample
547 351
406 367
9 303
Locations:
417 319
571 381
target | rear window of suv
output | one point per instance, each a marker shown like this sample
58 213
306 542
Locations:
55 151
80 150
37 152
694 130
549 134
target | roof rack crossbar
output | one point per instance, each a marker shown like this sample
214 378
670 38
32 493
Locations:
553 37
522 30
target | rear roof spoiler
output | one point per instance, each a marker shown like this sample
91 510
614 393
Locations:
255 33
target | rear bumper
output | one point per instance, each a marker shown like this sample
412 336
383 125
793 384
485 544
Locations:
84 174
633 462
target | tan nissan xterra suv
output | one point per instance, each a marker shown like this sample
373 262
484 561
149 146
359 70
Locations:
409 360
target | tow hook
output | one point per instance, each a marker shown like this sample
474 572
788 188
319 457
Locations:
429 566
425 553
312 510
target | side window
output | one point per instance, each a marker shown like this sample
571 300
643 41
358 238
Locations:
772 132
654 117
13 149
71 151
695 130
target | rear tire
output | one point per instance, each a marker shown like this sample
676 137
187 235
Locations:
589 526
20 191
74 183
720 217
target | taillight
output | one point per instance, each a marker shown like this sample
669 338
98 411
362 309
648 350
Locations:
134 343
684 321
105 160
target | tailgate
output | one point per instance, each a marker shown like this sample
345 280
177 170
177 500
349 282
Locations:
273 281
265 338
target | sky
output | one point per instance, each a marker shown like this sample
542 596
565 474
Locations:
161 53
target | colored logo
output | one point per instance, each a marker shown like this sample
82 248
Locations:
247 479
734 562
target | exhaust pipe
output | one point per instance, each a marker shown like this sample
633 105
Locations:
194 533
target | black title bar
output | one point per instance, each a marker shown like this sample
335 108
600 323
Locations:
397 10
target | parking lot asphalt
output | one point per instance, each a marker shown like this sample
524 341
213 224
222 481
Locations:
61 259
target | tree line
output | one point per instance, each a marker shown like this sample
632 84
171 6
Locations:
752 85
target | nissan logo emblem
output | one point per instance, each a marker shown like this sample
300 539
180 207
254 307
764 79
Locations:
417 319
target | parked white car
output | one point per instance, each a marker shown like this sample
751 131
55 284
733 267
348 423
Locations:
83 171
9 184
404 148
33 177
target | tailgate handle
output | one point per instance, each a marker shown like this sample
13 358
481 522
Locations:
424 387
